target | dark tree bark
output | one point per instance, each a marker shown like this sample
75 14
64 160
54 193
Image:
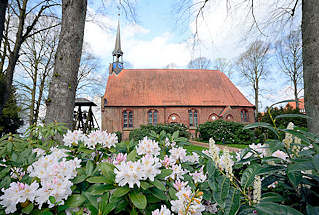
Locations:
310 41
61 99
3 8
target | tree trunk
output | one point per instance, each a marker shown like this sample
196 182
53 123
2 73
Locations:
3 8
296 93
310 46
61 99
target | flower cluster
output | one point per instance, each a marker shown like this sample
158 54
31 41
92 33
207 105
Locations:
133 172
54 172
257 190
148 146
92 140
188 202
100 137
163 211
199 177
18 193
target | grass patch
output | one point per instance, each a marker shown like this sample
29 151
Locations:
238 146
194 148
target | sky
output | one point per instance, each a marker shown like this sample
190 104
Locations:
160 37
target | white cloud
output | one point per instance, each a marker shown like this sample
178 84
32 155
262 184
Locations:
155 53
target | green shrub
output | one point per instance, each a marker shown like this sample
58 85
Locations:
282 123
145 130
119 136
10 120
225 132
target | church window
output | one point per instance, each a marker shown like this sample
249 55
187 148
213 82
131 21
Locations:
127 119
244 115
124 119
152 117
130 119
193 118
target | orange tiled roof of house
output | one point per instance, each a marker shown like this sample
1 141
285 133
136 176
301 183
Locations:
301 104
172 87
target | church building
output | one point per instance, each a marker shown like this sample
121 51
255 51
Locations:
135 97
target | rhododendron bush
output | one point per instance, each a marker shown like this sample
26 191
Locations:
94 174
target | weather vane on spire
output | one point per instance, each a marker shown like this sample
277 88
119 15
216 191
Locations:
119 8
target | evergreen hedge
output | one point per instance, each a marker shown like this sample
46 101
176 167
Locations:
145 130
225 132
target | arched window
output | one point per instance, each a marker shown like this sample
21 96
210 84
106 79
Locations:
244 115
193 117
152 117
213 117
229 117
127 119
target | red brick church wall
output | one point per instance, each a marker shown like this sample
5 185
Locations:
112 116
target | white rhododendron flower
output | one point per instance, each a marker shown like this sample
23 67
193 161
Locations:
72 138
178 154
179 185
129 173
163 211
133 172
199 177
148 146
18 193
261 149
150 166
119 158
178 172
280 154
166 162
194 158
54 172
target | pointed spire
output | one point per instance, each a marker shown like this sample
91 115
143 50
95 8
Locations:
117 50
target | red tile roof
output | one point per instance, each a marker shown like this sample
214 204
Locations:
301 104
172 87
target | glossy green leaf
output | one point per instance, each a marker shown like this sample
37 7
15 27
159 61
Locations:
145 185
89 168
92 199
271 208
248 176
121 191
293 116
138 199
28 209
271 197
263 125
158 193
164 173
222 190
76 200
99 179
232 202
132 155
159 185
312 210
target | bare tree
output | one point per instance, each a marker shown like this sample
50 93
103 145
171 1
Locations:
200 63
3 8
88 78
22 10
224 65
252 66
289 56
35 68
